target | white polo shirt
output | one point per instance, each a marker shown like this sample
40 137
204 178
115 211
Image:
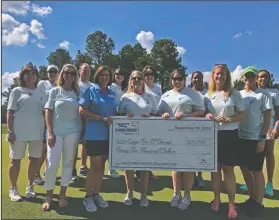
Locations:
256 103
185 101
83 86
132 103
45 86
218 104
28 106
118 91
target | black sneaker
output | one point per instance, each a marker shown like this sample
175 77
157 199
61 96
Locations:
38 180
83 171
74 175
247 204
255 211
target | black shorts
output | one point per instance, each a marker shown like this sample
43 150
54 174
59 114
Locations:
248 156
97 148
228 144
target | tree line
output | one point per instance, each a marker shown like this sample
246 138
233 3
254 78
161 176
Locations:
164 58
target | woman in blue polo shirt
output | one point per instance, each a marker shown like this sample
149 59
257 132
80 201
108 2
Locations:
97 105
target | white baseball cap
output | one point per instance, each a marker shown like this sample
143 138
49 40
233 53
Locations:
52 67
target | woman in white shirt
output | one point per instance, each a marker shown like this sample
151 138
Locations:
136 102
63 131
225 106
263 81
25 123
197 85
181 102
45 86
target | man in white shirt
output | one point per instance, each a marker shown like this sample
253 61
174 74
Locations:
46 86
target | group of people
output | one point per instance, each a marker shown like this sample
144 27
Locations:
54 116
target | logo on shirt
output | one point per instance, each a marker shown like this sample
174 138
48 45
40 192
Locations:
131 128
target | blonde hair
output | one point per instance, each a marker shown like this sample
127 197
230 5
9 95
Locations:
61 81
228 83
130 88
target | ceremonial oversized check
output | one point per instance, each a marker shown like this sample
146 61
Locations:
163 144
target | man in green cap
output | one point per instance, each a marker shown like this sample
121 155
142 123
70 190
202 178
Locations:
252 133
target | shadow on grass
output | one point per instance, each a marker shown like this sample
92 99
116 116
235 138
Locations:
156 210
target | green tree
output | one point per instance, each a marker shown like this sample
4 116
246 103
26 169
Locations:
98 45
238 84
43 72
82 58
59 58
165 58
111 60
205 85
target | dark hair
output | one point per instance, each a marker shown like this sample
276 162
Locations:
269 76
181 72
100 70
148 67
124 73
199 72
24 70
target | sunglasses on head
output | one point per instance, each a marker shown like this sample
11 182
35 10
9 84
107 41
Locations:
177 78
137 78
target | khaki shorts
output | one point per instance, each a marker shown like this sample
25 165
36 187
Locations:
18 148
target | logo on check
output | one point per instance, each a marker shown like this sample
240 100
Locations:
131 127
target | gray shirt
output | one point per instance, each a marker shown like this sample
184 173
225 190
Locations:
218 104
118 91
274 93
28 106
256 103
185 101
45 86
137 105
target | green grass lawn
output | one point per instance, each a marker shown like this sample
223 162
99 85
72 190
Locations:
160 193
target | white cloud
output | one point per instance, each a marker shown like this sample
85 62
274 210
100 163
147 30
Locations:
33 41
41 46
41 11
18 36
7 80
37 29
146 39
240 34
65 44
181 51
8 22
16 7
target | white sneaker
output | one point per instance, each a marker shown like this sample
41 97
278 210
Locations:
30 192
184 203
129 199
13 193
89 204
100 201
143 201
175 200
113 174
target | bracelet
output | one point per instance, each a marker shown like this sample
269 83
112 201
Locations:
262 137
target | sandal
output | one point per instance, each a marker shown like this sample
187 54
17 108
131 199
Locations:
232 212
215 205
62 202
46 205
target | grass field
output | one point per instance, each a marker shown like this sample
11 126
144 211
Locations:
160 193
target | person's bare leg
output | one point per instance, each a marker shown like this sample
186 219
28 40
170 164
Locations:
188 180
14 169
83 153
259 186
32 170
216 179
176 182
43 158
129 178
249 180
144 178
270 160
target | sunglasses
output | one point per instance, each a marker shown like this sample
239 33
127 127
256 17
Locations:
177 79
137 78
69 73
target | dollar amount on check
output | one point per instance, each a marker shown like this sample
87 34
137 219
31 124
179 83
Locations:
163 144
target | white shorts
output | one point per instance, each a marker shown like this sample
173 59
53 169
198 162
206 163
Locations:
18 148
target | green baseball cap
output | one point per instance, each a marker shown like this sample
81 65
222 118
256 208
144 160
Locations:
250 69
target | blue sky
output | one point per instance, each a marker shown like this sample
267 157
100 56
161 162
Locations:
236 33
